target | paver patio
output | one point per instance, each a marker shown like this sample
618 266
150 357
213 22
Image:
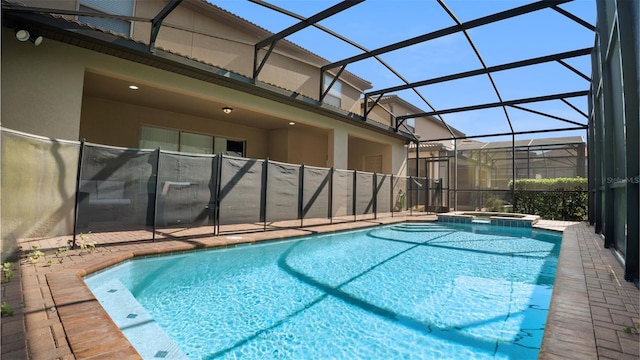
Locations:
594 313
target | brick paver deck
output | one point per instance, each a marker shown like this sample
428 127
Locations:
593 313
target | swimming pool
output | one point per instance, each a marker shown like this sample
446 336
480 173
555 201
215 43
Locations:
423 291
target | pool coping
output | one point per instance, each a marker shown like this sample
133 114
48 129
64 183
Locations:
60 313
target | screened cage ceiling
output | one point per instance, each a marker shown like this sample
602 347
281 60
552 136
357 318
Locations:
484 67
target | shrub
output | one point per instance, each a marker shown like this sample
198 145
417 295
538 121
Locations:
553 199
494 204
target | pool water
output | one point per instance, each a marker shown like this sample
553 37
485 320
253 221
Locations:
410 291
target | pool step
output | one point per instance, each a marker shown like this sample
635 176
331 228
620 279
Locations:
421 227
146 336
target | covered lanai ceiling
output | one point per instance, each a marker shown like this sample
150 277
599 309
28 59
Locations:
484 67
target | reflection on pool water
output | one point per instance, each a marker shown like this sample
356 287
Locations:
413 290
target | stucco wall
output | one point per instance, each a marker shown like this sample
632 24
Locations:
359 149
298 146
309 148
108 122
428 129
43 83
209 36
59 107
278 152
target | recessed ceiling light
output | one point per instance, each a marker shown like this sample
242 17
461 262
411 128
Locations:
133 87
292 123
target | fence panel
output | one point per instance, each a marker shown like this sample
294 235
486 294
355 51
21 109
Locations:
342 193
315 197
364 193
383 193
241 182
186 189
117 189
38 187
400 193
283 188
419 193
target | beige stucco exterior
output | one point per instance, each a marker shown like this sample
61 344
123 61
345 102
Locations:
214 36
197 31
66 112
57 86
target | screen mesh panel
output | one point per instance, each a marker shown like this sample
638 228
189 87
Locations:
342 193
38 186
383 193
419 193
117 188
400 193
364 193
240 190
315 198
186 190
283 181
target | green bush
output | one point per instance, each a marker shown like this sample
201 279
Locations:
493 204
552 199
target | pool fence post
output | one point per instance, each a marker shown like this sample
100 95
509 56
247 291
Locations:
426 195
354 194
216 209
331 171
455 175
77 199
410 195
513 164
263 202
375 195
391 204
301 196
155 195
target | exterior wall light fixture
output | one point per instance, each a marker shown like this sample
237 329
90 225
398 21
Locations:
227 110
24 35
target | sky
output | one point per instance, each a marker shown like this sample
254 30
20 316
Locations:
376 23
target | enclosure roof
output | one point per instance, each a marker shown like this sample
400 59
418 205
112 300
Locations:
480 68
478 145
483 67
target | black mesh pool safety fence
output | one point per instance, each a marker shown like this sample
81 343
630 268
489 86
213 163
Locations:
116 189
99 188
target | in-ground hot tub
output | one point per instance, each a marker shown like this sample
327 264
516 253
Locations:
493 218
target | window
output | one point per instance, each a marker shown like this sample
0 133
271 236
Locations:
196 143
114 7
334 96
411 124
151 138
175 140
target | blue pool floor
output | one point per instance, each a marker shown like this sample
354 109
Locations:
311 277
